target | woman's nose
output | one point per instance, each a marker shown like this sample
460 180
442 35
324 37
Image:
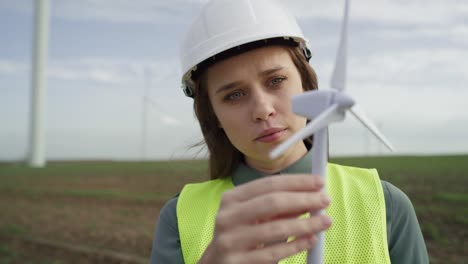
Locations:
262 106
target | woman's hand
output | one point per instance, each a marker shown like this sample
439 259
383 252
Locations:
255 220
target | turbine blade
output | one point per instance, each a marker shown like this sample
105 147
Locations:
339 73
331 114
362 117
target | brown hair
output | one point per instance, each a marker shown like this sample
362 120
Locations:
223 156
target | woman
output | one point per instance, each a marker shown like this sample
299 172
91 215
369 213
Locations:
242 62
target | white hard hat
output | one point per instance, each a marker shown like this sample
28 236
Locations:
225 24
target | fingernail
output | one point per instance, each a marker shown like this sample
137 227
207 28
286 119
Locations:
320 181
326 221
312 239
325 199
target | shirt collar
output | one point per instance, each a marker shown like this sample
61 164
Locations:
243 173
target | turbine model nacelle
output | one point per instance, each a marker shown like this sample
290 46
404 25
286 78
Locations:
310 104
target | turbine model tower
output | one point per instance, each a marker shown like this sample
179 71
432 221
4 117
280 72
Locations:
323 107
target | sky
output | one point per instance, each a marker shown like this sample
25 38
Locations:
407 67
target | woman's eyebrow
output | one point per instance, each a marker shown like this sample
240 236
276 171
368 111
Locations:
270 71
228 86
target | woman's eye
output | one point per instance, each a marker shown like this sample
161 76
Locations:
277 80
234 96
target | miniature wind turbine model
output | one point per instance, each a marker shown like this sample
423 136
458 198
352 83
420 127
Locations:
323 107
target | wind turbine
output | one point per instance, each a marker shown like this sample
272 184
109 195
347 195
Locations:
147 102
323 107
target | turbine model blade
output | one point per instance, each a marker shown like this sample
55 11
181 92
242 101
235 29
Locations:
361 116
339 73
332 114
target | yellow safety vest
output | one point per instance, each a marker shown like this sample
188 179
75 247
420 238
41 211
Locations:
358 233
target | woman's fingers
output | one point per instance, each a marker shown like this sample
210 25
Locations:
279 230
255 219
271 205
279 183
274 253
252 244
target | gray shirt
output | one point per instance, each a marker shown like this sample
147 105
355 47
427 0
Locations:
404 237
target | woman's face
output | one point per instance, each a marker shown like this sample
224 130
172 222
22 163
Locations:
250 94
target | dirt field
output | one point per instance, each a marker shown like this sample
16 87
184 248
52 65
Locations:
105 212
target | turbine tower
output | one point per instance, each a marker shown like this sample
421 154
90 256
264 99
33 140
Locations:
144 117
37 138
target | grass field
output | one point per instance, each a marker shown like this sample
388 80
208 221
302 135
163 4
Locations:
105 212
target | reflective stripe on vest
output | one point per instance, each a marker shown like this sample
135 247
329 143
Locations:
358 233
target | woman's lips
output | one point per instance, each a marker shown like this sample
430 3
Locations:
270 135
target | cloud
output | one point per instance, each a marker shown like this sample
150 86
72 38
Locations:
410 87
168 120
148 11
175 11
406 68
115 11
162 114
423 68
428 67
141 11
9 67
112 71
384 11
454 34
